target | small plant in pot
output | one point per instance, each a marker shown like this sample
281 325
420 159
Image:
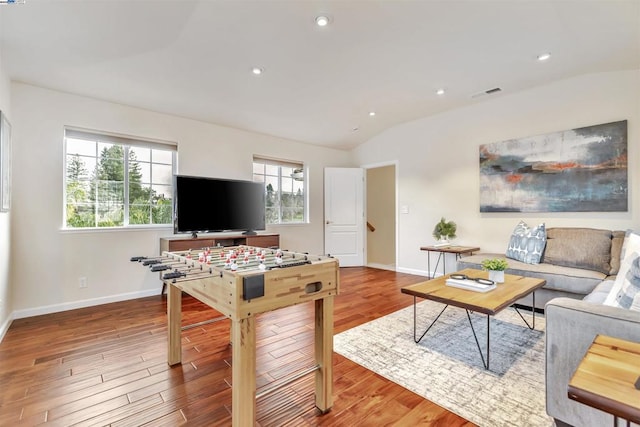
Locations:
443 231
496 268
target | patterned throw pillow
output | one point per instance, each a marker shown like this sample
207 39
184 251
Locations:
630 246
527 244
629 294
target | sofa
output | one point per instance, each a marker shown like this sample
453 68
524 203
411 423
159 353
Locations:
571 326
613 309
574 261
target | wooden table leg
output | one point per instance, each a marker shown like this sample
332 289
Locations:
324 353
243 370
174 315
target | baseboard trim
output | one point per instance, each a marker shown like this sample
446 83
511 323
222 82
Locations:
5 326
381 266
55 308
413 271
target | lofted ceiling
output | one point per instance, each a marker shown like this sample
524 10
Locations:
194 58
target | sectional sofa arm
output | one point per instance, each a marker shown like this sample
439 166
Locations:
571 326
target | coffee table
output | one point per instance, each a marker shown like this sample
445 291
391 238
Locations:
489 303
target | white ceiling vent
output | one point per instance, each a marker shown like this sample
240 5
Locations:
487 92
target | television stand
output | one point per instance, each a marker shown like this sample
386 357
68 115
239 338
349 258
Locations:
250 233
184 242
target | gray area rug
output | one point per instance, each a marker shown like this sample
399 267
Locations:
445 367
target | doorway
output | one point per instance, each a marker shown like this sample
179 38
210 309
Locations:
381 217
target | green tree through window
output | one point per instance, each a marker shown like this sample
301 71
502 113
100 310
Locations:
108 185
285 190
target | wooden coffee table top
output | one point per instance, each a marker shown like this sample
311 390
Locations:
492 302
606 376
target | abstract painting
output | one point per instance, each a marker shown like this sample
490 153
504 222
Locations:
577 170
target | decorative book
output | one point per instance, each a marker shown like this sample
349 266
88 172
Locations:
470 285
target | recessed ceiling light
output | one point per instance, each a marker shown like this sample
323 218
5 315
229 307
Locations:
322 21
440 92
372 113
544 56
257 70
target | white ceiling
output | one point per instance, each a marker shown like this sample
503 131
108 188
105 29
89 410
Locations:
194 58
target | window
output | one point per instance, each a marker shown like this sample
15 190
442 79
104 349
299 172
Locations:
285 189
111 181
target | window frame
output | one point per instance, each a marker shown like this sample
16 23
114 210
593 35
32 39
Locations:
126 142
280 163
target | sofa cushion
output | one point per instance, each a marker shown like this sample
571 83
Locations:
577 281
599 294
587 248
527 244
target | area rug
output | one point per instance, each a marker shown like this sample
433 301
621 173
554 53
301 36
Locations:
446 368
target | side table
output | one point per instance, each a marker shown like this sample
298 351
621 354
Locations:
442 251
606 378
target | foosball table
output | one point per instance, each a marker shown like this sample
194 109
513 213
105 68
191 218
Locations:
241 282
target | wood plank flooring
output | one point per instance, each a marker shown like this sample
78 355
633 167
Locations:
106 365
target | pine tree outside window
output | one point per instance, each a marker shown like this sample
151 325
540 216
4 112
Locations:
285 190
114 181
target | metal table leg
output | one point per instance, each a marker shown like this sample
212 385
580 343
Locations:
435 270
533 313
417 340
486 365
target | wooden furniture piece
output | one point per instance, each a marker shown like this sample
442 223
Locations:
242 293
606 378
185 242
489 303
442 251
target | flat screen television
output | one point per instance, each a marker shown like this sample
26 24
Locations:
213 205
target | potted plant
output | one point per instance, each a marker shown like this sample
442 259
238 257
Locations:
496 268
443 231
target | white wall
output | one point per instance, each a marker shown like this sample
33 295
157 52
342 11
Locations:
47 262
438 159
5 221
438 173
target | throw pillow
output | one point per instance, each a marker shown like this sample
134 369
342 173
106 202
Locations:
629 294
630 246
587 248
527 244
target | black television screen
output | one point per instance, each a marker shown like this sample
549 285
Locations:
210 204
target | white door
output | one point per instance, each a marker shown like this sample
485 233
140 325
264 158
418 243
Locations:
344 215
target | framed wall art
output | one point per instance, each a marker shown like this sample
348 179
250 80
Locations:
577 170
5 163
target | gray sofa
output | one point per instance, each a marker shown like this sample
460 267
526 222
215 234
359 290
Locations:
571 326
574 262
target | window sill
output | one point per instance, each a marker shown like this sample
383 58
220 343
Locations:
116 229
288 224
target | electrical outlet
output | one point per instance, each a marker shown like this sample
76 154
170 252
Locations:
82 282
